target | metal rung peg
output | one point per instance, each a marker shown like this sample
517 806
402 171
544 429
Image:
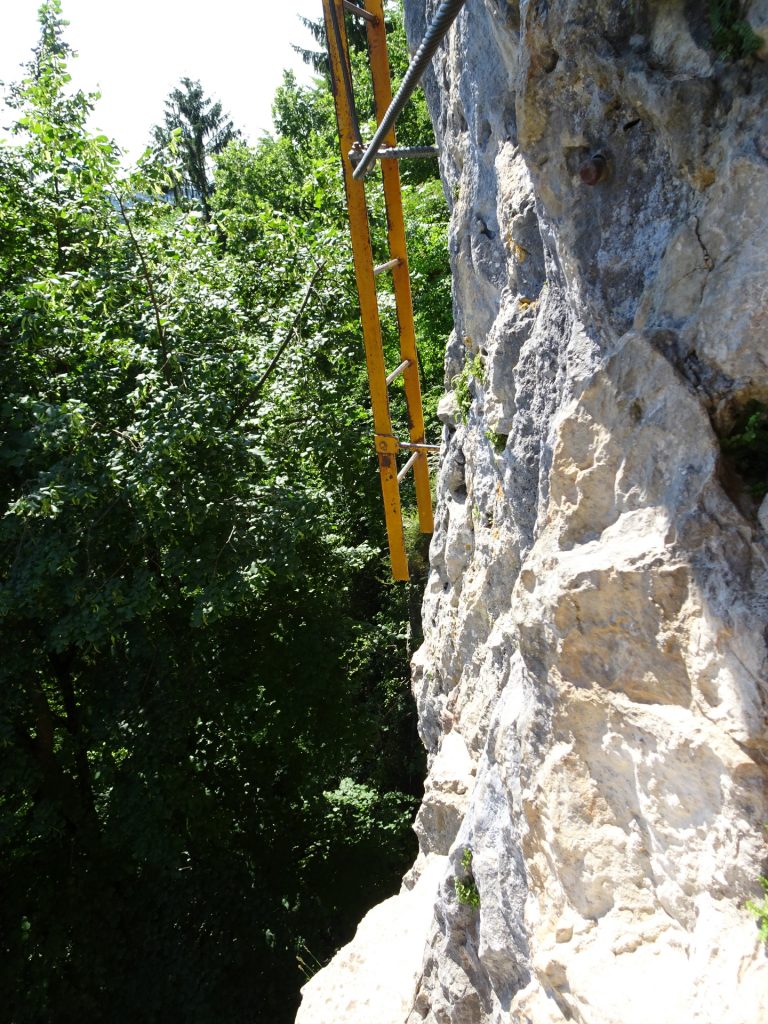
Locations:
397 372
409 445
407 466
392 153
389 265
408 153
359 12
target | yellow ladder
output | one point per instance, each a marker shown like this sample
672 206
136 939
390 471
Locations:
366 272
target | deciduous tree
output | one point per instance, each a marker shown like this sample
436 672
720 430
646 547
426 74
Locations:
207 754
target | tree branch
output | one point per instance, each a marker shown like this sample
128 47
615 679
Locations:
147 279
62 670
255 391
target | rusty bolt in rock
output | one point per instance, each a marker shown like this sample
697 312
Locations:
594 170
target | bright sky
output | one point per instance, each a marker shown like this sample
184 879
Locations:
135 53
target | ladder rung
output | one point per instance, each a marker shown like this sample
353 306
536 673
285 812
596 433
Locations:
393 153
407 466
400 370
407 152
359 12
389 265
418 447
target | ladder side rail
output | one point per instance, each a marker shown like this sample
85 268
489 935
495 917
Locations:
382 90
342 69
386 445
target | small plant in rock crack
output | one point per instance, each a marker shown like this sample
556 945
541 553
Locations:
732 35
473 369
760 910
466 888
498 441
747 447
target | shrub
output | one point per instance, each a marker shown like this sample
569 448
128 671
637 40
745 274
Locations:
466 888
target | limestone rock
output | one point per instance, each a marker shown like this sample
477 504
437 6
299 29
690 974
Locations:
374 978
762 514
448 410
592 688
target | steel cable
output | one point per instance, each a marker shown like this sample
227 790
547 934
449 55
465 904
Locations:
445 16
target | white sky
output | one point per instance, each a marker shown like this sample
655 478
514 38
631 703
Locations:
135 53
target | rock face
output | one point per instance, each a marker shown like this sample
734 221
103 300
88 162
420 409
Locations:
381 987
592 689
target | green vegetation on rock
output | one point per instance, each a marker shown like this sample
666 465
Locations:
760 910
473 370
747 447
732 35
466 888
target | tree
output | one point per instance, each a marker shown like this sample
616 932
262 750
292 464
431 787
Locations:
208 759
203 130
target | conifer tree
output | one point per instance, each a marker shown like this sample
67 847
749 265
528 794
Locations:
204 131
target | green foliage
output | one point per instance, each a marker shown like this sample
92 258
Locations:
473 370
498 441
426 215
466 888
747 447
732 35
208 756
760 910
416 546
467 894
